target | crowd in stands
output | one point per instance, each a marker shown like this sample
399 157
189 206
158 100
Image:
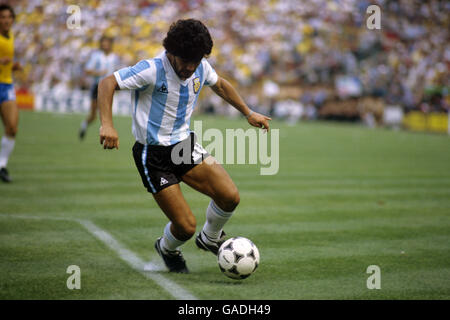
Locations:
290 58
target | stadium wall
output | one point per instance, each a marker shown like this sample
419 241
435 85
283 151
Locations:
432 122
78 101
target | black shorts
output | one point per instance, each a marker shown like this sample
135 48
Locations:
163 166
94 92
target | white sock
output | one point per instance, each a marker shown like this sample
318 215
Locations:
84 125
168 241
215 220
7 146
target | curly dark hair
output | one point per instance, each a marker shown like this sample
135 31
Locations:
188 39
5 6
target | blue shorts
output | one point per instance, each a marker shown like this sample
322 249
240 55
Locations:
7 92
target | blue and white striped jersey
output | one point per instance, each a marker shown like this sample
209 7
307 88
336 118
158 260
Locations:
162 102
99 61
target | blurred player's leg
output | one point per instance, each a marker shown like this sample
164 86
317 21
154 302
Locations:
91 117
10 118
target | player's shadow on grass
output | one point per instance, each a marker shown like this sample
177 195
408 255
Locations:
229 282
208 275
211 276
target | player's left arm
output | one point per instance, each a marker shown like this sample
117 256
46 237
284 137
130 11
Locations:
16 65
5 60
227 92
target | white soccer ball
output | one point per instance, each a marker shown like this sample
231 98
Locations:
238 258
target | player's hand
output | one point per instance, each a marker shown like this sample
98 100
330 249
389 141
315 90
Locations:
101 73
259 120
109 137
5 60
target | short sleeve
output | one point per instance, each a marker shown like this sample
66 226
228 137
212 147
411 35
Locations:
209 73
90 65
135 77
117 62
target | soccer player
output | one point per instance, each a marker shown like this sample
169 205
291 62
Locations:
8 107
164 92
101 63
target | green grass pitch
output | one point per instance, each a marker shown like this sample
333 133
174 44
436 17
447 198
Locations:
345 197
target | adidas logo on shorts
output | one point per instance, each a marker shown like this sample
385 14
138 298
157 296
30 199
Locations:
163 181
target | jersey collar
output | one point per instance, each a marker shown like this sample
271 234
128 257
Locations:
170 69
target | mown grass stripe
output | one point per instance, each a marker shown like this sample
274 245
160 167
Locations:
125 254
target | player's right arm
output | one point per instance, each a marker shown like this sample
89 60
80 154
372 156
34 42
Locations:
94 73
108 134
131 78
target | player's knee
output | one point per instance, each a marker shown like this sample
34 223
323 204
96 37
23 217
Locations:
11 131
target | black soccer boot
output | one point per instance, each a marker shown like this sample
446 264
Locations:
81 134
4 175
173 259
205 243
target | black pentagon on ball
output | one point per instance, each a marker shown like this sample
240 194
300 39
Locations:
237 256
252 254
233 270
229 246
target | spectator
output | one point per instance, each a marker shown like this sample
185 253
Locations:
290 42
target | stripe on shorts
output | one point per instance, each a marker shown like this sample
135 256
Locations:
144 158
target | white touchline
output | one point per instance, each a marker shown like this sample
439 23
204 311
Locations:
135 262
126 255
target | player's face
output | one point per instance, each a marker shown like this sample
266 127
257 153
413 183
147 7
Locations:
106 45
6 20
184 69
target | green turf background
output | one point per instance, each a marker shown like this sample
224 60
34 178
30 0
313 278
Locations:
345 197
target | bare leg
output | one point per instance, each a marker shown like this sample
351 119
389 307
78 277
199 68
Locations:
172 203
93 112
10 118
180 228
91 117
211 179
